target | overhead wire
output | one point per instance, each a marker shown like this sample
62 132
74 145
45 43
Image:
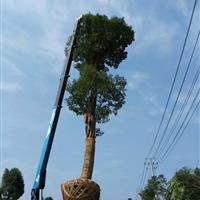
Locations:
144 178
176 101
141 180
167 153
144 173
173 83
184 122
157 151
192 87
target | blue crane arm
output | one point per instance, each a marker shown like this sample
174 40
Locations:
39 182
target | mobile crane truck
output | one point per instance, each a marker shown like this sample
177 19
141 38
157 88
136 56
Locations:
39 182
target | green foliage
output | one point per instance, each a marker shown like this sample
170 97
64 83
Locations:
155 187
197 172
102 41
185 185
100 44
12 185
48 198
175 190
109 91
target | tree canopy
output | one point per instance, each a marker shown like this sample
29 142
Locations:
185 185
12 184
100 44
48 198
110 92
155 187
102 41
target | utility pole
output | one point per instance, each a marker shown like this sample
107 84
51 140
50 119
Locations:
153 164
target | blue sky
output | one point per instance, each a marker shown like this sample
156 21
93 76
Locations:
34 33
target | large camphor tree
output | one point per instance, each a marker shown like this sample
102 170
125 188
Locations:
100 45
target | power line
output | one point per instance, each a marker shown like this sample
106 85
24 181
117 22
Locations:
181 111
151 166
167 154
144 173
174 80
145 176
176 101
141 180
174 139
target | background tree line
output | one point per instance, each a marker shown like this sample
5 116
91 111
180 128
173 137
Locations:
184 185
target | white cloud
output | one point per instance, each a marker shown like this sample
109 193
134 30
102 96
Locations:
196 119
11 68
154 105
182 6
15 39
108 154
152 29
103 1
6 144
183 98
151 32
153 99
157 111
159 37
24 6
137 79
10 87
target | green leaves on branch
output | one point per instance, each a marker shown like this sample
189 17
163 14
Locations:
155 187
102 41
109 92
48 198
12 185
184 185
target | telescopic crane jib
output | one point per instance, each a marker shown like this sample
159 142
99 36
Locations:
39 182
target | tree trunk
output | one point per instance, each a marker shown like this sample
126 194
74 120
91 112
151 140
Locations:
88 162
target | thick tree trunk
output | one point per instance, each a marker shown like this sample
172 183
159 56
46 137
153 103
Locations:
88 162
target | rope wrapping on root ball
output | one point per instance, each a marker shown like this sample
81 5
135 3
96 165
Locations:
80 189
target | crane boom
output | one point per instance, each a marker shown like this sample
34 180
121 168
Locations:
39 182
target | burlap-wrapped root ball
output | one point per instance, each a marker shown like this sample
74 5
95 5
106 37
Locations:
80 189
